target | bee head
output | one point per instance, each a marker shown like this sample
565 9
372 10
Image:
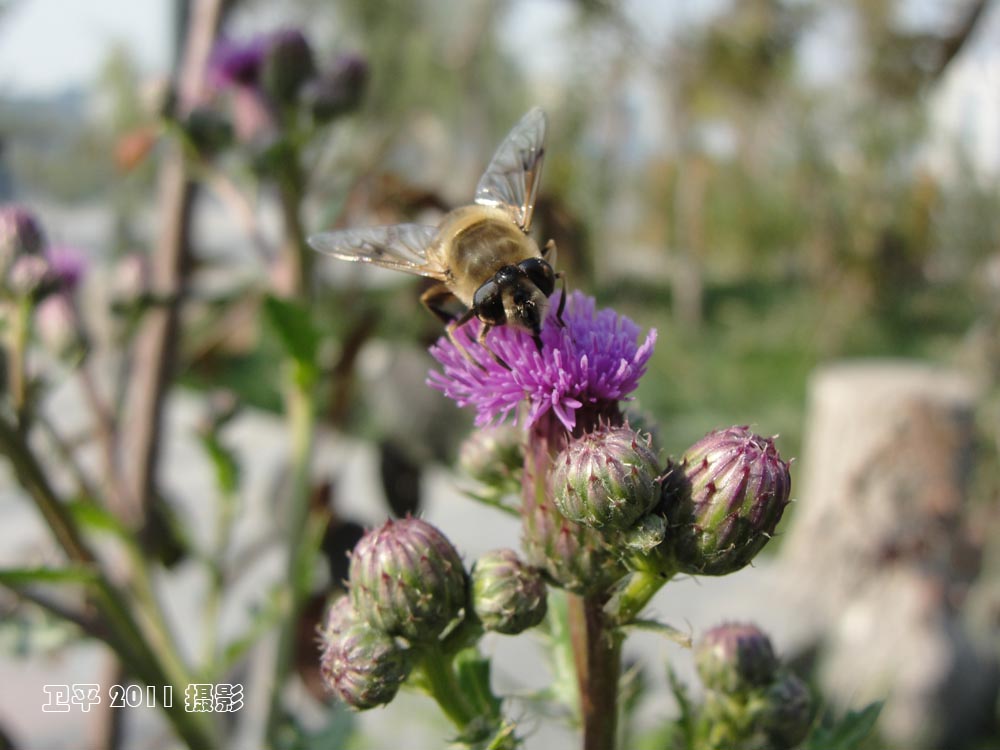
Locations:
517 295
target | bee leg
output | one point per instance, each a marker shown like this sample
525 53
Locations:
562 301
435 299
481 338
549 252
452 328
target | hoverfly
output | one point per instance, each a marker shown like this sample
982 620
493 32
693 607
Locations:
480 254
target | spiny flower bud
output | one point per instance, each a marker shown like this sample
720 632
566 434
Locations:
27 275
20 234
288 63
340 615
407 579
508 596
494 456
606 478
576 557
363 667
786 711
739 487
735 657
337 91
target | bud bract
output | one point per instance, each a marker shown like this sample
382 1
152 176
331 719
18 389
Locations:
507 595
786 713
606 478
738 489
735 657
407 579
363 666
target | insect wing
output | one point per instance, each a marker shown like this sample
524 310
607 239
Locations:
511 180
400 247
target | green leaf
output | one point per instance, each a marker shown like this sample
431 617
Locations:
847 734
677 636
227 469
474 676
295 329
99 519
18 577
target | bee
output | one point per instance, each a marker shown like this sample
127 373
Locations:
481 255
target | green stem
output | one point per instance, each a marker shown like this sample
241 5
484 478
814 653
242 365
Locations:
301 415
626 604
442 684
18 370
122 633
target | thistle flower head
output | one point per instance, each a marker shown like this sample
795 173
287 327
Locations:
407 579
363 667
606 478
237 62
735 657
338 90
786 714
595 358
508 596
736 491
20 234
67 266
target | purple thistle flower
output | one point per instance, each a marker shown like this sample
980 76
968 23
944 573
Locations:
593 359
67 266
237 63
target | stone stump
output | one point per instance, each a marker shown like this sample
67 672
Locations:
879 552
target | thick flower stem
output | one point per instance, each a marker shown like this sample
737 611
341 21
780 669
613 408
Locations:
629 601
441 683
597 652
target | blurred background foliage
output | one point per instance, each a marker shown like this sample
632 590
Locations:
764 205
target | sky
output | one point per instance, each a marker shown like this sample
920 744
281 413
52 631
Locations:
48 46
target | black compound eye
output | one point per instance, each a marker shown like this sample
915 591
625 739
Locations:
540 273
488 304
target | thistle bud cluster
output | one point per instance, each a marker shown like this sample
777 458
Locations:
274 81
751 700
708 514
408 592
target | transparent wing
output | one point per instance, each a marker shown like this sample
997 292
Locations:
401 247
511 180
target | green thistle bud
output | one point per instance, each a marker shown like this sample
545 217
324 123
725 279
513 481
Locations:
363 666
494 456
738 489
508 596
288 64
209 131
735 657
340 615
786 713
606 478
577 558
27 275
407 579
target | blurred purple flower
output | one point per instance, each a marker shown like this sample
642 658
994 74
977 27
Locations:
67 266
237 63
594 358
